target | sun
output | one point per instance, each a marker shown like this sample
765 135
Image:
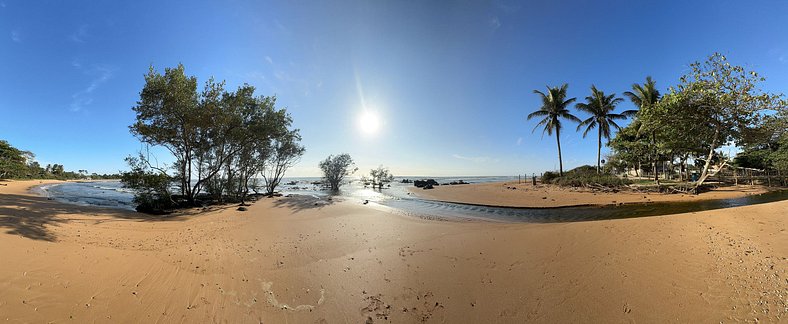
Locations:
369 122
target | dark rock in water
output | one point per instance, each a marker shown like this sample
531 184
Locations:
423 183
366 202
428 186
461 182
406 181
242 208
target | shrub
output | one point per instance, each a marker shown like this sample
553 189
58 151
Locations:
575 179
549 176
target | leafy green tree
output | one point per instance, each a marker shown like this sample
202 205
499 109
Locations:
380 176
151 185
285 151
12 161
554 108
645 96
630 149
601 107
718 102
335 168
168 115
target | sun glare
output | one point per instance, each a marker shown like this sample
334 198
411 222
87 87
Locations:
369 122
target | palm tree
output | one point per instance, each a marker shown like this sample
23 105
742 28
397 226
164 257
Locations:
554 107
602 117
643 96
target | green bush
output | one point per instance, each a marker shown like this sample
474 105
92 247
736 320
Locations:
549 176
579 179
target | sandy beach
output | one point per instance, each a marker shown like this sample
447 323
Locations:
296 260
514 194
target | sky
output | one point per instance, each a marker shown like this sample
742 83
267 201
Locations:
449 83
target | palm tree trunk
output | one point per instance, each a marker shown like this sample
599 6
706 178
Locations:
599 150
560 162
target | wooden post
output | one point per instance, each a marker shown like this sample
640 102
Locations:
735 178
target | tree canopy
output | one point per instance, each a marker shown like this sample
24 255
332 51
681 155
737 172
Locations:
221 140
335 168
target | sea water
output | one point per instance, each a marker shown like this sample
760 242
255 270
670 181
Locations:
90 193
397 196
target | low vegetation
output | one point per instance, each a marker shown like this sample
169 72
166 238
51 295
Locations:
585 176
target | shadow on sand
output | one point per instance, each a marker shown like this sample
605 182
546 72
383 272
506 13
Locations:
29 216
299 203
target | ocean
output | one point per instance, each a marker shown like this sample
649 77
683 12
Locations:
112 194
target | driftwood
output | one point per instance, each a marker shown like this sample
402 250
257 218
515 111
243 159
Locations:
598 187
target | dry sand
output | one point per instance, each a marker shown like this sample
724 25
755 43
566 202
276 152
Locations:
289 260
513 194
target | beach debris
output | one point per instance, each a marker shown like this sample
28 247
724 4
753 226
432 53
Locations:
366 201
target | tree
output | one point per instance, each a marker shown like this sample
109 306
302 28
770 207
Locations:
601 107
720 100
380 176
285 151
220 140
168 116
336 168
645 96
12 161
629 148
554 107
151 185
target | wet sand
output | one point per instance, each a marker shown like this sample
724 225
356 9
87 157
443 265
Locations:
300 261
514 194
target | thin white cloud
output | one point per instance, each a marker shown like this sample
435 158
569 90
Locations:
494 22
475 159
2 4
79 35
15 36
269 60
519 141
84 97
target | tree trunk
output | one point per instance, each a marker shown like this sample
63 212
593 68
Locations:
654 158
599 150
705 172
560 161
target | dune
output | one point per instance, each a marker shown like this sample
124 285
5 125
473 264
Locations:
295 260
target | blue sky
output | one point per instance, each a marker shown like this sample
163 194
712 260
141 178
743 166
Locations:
450 81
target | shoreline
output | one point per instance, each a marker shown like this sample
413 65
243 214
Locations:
526 196
289 260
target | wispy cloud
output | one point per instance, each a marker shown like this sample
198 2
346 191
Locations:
2 4
269 60
101 74
79 35
16 36
494 22
519 141
475 159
